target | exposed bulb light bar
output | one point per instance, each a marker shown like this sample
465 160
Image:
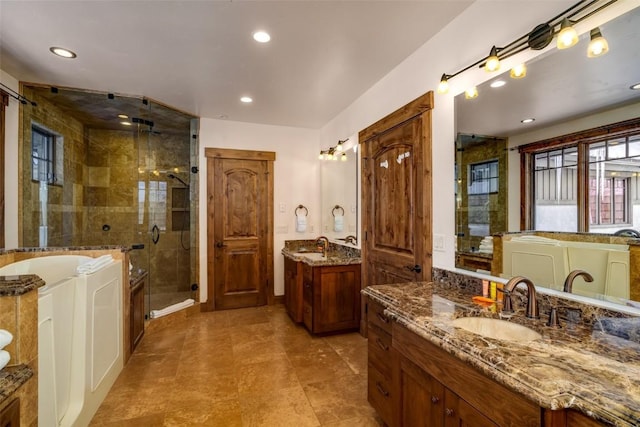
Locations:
598 45
568 36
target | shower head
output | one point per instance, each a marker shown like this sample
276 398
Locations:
172 176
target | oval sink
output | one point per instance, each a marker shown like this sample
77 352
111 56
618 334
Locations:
496 328
313 256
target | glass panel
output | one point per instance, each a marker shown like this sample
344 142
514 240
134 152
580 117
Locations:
617 148
634 146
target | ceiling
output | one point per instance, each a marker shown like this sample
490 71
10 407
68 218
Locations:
560 85
199 56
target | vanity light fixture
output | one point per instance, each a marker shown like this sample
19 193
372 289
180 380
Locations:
62 52
518 72
261 37
321 156
598 45
529 120
332 152
497 84
471 93
493 62
568 36
540 37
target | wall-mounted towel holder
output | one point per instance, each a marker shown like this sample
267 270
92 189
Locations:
300 208
337 208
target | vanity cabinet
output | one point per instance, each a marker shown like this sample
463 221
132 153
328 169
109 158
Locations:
293 298
331 297
10 415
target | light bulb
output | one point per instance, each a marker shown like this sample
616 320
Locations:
443 86
493 62
471 93
343 157
518 72
568 36
598 45
321 156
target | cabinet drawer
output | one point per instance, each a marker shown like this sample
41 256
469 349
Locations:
376 316
379 393
380 350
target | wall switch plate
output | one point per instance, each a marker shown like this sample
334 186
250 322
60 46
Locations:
438 242
282 207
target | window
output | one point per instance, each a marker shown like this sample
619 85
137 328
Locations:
584 182
46 155
483 178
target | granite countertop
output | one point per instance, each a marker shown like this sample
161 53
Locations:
19 285
11 378
332 258
575 367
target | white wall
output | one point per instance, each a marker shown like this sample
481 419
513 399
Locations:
11 165
296 181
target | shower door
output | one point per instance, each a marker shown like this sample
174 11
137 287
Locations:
164 205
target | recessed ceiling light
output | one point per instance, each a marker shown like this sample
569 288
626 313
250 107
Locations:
246 99
261 36
498 83
125 123
530 120
123 116
60 51
635 86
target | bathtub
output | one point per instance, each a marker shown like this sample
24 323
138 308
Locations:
79 336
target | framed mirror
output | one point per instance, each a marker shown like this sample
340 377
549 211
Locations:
339 185
564 92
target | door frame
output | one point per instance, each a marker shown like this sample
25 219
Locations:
211 155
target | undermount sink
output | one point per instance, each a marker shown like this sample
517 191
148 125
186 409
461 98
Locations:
496 328
313 256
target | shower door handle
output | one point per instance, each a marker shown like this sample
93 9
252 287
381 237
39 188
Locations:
155 234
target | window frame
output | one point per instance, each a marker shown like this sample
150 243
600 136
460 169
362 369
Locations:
581 140
52 178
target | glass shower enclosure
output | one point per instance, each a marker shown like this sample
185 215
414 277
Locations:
103 169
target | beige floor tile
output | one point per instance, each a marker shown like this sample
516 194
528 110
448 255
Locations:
146 421
374 421
339 399
319 364
201 387
284 407
225 413
263 377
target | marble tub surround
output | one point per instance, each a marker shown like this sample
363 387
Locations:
336 254
575 366
19 285
11 378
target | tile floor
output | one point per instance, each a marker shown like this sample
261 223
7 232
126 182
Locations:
247 367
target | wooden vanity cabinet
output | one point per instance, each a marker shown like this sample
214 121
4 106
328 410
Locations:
10 415
293 298
331 297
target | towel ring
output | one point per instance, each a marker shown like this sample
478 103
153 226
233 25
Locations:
338 207
306 211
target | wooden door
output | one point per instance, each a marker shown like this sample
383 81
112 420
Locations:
396 195
239 228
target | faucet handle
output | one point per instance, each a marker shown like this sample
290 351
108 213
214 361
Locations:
507 304
554 320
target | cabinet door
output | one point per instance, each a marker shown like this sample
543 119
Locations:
293 289
421 397
458 413
307 296
137 312
10 416
336 298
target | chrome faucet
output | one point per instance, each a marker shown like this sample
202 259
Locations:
568 282
532 303
322 240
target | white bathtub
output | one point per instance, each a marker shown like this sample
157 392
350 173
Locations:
79 336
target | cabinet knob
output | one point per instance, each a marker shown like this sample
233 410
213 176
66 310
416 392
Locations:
381 389
382 317
382 345
449 412
435 399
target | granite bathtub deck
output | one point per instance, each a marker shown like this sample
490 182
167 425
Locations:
577 367
11 378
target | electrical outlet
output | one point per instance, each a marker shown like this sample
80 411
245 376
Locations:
438 242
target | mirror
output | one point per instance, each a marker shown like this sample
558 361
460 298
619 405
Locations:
339 186
565 92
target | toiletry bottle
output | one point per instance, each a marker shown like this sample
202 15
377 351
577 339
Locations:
485 288
493 290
